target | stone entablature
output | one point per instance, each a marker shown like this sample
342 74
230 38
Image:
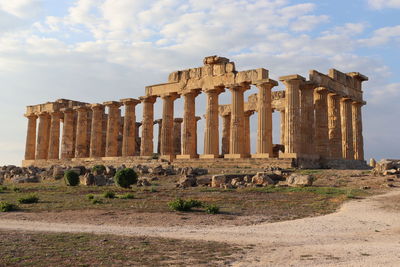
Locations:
320 119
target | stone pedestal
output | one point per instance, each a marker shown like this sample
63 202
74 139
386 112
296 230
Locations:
189 135
146 148
307 119
54 143
67 143
335 127
167 131
347 128
42 146
129 130
321 121
96 137
82 137
211 135
30 147
177 136
113 125
226 133
358 140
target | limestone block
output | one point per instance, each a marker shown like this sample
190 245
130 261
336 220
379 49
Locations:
218 69
262 178
207 70
230 67
297 180
218 180
173 77
195 73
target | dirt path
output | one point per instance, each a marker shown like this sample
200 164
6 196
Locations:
361 233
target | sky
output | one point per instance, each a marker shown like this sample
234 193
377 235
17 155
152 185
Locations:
103 50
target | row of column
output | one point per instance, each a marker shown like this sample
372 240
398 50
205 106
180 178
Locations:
321 122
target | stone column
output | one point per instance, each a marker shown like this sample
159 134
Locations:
347 128
81 132
195 132
129 130
96 136
138 139
247 142
159 123
321 121
226 133
189 134
67 143
335 127
292 114
283 118
211 133
146 148
307 119
42 145
30 147
113 124
177 135
264 129
358 140
167 131
236 144
54 143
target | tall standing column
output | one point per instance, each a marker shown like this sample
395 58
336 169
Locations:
246 141
358 140
113 124
195 133
159 123
138 139
146 148
96 136
347 128
82 139
54 143
129 131
264 130
335 127
292 114
226 133
189 138
211 133
167 138
67 144
42 146
30 147
177 136
236 144
283 123
307 119
321 121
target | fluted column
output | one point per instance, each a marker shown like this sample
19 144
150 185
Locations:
211 133
113 124
177 136
321 121
195 138
81 132
159 123
307 119
189 134
283 123
236 144
138 138
167 138
347 128
42 145
292 114
146 148
226 133
96 135
30 147
67 143
335 127
246 141
129 131
54 143
264 129
358 140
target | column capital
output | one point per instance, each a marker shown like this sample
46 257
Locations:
346 99
266 82
173 96
194 92
43 114
31 115
292 78
55 113
81 108
216 90
198 118
110 104
97 106
67 110
359 103
138 124
130 101
159 121
322 90
148 99
178 120
248 113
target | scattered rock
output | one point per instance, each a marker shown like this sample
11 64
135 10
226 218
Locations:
143 182
31 179
218 180
187 181
262 179
300 180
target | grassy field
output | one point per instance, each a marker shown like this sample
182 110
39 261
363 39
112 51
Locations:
56 249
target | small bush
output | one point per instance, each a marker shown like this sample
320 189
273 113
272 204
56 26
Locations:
99 169
71 178
153 189
16 189
6 207
90 196
184 205
125 177
3 188
97 201
127 196
109 194
195 203
28 199
212 209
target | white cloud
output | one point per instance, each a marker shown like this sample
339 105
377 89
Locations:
382 36
21 8
380 4
307 23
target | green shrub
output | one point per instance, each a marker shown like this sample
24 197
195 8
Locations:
6 207
109 194
28 199
90 196
153 190
97 201
100 169
212 209
3 188
125 177
16 189
71 178
127 196
184 205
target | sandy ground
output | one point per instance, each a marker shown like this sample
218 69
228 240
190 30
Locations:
362 233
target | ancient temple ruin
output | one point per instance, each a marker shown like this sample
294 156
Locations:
321 122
